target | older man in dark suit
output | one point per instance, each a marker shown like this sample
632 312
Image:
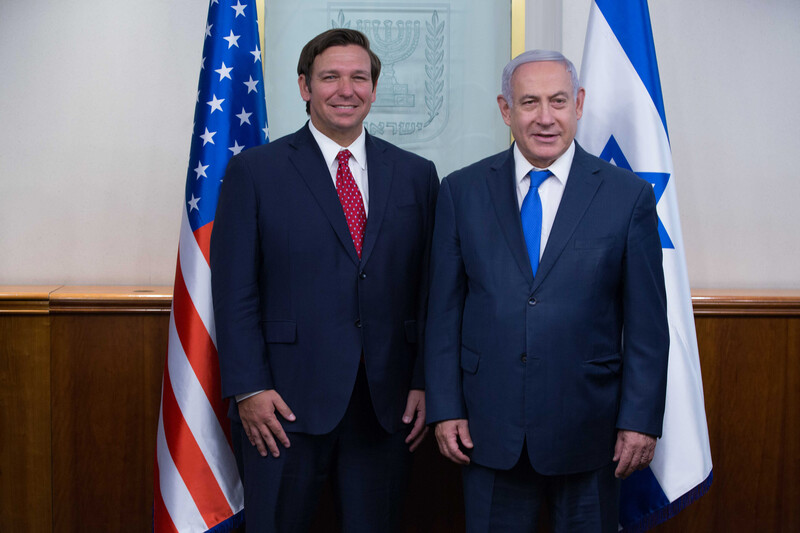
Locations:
319 260
547 338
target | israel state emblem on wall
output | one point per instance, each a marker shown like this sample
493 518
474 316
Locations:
411 104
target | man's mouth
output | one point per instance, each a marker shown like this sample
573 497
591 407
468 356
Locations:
546 136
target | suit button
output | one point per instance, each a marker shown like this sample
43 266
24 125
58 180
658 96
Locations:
362 275
532 301
358 323
524 358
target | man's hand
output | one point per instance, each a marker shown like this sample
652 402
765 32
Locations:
634 451
448 433
261 423
415 407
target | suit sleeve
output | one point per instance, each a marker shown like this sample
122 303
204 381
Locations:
443 395
418 378
235 257
646 331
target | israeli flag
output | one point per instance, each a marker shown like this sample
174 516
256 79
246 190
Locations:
624 122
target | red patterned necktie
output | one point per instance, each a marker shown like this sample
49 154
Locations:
351 200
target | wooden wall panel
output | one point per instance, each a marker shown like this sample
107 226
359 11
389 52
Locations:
750 358
25 479
106 384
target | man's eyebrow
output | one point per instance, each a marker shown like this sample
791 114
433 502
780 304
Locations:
338 71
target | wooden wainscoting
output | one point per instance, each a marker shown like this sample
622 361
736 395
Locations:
25 442
108 348
80 384
749 343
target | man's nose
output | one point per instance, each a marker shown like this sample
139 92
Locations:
345 87
545 115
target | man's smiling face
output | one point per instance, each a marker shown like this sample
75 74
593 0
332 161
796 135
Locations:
340 92
544 115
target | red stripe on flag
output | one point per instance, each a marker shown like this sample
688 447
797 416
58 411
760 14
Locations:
190 461
203 237
162 521
199 349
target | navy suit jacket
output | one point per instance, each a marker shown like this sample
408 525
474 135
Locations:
294 306
564 359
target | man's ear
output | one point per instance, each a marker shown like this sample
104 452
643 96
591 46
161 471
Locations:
305 92
505 109
579 102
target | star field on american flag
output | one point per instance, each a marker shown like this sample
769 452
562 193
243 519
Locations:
232 116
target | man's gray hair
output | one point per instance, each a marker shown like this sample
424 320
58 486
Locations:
532 56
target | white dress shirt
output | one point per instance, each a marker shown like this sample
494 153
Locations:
358 160
550 191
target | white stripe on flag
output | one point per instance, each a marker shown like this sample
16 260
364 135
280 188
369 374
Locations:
197 276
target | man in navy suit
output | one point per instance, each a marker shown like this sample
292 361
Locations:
547 338
319 263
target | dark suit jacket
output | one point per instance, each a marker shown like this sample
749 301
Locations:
294 307
547 359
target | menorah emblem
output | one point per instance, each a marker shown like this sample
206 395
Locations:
414 111
392 46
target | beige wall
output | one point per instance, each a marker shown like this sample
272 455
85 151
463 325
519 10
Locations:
96 105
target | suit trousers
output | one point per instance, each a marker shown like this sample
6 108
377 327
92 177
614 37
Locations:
509 501
367 466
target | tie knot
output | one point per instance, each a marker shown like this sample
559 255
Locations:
537 177
343 156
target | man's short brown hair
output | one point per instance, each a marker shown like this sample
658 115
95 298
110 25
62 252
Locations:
335 37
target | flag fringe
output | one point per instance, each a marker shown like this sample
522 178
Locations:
662 515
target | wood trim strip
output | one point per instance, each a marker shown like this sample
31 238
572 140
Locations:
111 299
746 302
43 299
26 299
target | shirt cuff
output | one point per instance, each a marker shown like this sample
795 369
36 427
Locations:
246 395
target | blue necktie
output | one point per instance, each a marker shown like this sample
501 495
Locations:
531 214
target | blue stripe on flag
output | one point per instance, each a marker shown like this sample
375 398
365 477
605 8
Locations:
635 519
640 496
229 525
637 41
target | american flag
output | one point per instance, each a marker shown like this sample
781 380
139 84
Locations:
196 482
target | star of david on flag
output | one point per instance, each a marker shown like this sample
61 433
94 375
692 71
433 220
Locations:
624 122
196 481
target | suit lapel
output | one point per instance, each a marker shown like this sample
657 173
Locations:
307 159
581 187
379 175
503 191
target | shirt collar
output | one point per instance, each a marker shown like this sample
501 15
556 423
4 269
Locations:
560 167
330 149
